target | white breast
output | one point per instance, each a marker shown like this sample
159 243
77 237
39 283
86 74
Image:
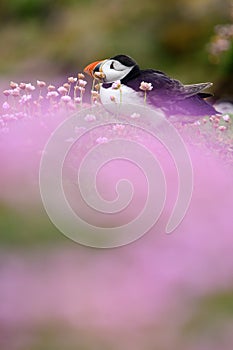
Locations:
122 95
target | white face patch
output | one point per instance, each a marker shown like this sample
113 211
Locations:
114 70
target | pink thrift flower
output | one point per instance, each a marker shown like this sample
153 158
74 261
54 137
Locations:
67 86
146 86
211 119
102 140
81 76
72 80
7 92
29 87
226 117
15 92
22 86
24 99
41 83
222 128
66 98
82 82
80 88
116 85
51 88
90 118
6 105
52 94
62 90
13 85
94 93
77 99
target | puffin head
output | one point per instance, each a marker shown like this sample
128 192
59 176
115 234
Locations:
112 69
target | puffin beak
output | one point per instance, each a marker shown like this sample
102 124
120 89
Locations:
94 67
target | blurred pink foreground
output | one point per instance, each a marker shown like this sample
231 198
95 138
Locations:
140 296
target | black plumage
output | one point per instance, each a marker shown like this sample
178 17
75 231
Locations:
167 93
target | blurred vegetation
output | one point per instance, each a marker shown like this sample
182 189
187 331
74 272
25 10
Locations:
20 229
46 38
211 312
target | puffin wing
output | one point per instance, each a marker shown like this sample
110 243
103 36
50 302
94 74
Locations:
163 85
194 89
166 87
171 95
161 82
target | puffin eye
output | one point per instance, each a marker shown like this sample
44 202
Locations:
112 66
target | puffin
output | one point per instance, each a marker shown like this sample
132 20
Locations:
122 80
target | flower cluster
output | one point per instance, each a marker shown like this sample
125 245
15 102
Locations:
27 100
220 42
215 132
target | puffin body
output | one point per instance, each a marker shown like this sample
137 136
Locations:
122 81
